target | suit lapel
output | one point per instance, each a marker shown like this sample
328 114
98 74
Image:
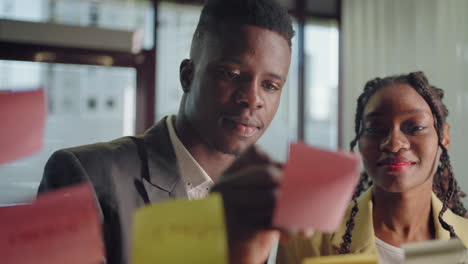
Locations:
164 179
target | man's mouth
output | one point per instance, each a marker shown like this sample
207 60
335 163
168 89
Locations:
241 126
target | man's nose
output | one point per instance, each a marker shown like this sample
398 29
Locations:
249 94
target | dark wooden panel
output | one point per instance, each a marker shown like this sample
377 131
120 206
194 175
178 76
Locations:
51 54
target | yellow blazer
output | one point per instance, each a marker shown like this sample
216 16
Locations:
363 237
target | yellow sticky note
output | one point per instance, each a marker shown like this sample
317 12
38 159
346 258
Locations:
181 231
343 259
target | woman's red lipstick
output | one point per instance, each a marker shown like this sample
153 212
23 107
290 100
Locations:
395 163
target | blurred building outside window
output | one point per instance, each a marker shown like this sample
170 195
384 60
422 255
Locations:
86 104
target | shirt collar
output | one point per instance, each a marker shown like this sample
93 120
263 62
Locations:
192 173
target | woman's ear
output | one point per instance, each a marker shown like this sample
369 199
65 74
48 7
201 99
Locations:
186 74
446 136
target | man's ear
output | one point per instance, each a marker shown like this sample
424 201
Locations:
446 136
186 73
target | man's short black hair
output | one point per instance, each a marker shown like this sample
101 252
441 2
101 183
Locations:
267 14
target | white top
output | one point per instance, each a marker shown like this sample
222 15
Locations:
389 254
197 181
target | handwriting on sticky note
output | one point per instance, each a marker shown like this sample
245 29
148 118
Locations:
22 117
196 232
343 259
60 227
161 231
316 188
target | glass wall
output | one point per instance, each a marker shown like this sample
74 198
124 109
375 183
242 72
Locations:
89 103
85 104
112 14
321 83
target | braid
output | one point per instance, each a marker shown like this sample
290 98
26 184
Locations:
445 186
364 182
362 186
369 89
448 196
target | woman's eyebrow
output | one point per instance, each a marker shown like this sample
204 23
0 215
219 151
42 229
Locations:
408 112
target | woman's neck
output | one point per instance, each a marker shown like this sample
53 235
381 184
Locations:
403 217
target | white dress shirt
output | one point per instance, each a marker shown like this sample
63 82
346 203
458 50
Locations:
197 181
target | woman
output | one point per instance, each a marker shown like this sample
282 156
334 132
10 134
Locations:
407 192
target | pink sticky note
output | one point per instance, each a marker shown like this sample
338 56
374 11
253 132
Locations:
59 227
316 188
22 117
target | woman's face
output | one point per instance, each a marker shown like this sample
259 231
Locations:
399 144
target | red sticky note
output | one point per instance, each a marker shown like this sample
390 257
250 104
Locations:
316 188
22 118
59 227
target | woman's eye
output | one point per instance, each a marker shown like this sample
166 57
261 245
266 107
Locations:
373 130
370 130
415 129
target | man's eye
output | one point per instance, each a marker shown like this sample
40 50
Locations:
270 86
227 74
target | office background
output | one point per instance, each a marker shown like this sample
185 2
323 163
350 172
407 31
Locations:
97 94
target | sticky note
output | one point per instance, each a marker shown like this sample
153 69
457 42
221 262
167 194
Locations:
316 188
435 251
181 231
22 118
343 259
60 227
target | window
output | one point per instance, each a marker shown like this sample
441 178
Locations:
321 83
85 103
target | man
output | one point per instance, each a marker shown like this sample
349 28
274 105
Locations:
232 83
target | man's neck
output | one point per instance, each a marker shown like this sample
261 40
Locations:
403 217
211 160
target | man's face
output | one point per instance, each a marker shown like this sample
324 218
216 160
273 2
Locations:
236 86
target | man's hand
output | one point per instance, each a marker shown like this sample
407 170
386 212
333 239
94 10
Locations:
249 190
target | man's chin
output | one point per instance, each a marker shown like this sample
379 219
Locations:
233 149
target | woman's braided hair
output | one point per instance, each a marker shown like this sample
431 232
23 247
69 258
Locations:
444 186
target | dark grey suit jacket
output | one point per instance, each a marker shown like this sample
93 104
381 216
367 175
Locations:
126 173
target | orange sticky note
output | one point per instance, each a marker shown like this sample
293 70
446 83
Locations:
59 227
22 118
316 188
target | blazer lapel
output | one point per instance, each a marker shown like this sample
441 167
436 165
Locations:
363 233
164 180
459 224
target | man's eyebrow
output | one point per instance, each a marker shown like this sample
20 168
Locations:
240 63
409 112
231 60
276 76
